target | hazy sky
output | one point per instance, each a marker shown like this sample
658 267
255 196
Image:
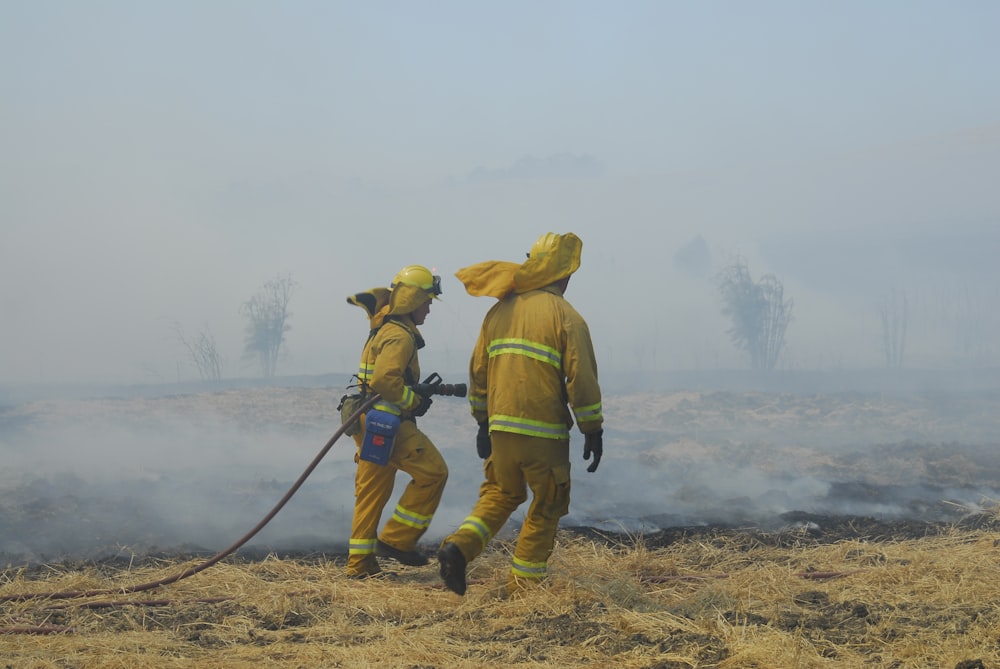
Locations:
160 161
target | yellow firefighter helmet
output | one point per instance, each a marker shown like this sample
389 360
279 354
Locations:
419 277
553 257
544 244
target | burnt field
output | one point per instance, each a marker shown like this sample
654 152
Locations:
94 478
724 528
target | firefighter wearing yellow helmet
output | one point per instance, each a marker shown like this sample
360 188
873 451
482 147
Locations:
390 367
533 374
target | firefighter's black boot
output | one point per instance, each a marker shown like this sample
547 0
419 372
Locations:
410 558
452 568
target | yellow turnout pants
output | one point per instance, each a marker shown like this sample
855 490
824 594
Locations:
415 454
520 463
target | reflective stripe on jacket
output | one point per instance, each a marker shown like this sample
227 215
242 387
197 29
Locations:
534 356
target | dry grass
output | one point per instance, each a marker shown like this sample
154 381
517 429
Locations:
726 599
723 601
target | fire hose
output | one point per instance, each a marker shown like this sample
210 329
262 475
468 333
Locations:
72 594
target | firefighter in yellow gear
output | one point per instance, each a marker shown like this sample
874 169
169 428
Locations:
390 367
533 374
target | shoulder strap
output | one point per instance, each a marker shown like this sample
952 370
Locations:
407 374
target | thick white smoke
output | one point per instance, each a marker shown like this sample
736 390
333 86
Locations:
194 472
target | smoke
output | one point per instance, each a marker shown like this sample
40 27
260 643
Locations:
193 473
94 488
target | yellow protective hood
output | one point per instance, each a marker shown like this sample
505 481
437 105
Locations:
381 302
493 278
543 268
372 301
405 299
498 278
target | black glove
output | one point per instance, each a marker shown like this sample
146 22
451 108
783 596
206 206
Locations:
483 444
593 443
425 404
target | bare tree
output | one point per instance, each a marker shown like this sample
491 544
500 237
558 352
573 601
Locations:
894 312
267 322
203 352
758 311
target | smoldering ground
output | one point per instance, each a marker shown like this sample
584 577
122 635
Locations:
193 472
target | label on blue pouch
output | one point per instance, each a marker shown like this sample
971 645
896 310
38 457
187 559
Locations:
380 434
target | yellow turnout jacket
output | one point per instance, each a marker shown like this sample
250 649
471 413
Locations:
533 370
389 364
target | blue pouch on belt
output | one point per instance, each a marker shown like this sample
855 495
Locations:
380 433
